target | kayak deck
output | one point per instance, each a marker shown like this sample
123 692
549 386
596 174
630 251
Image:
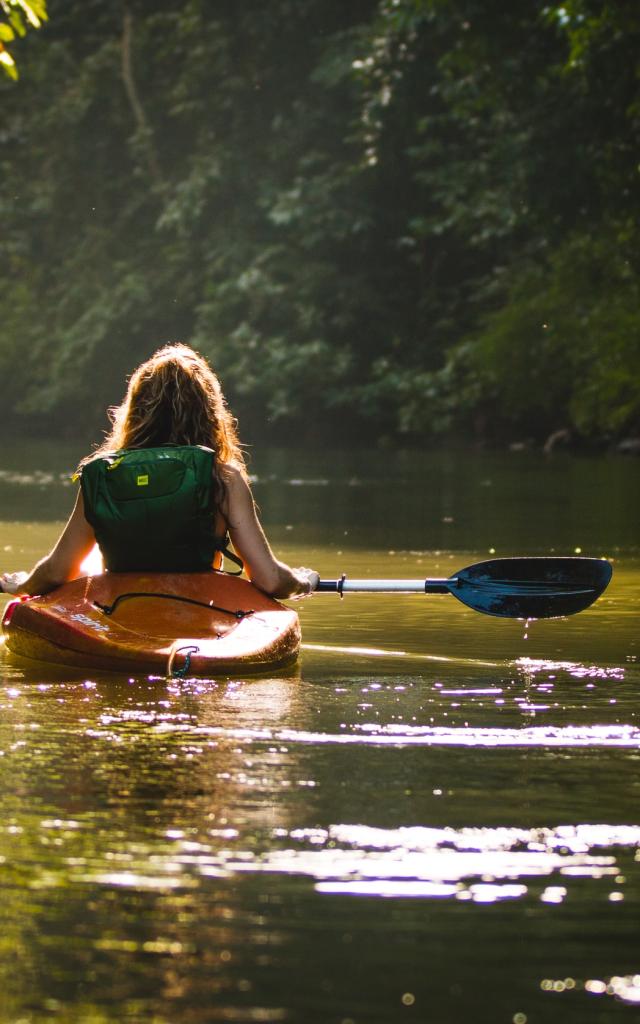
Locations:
196 624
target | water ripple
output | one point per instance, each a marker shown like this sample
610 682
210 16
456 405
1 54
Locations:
424 735
478 864
481 865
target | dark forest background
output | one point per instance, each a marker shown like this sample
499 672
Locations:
380 220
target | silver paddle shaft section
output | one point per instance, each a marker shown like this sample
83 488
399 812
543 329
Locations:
344 586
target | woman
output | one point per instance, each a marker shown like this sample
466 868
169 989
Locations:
166 489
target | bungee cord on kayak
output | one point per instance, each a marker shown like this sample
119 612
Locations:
109 609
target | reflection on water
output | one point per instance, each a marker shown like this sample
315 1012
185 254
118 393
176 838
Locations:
626 989
431 806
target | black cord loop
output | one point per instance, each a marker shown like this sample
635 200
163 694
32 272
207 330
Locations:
109 609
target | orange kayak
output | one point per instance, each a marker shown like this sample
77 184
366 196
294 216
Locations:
178 624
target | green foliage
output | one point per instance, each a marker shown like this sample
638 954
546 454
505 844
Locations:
362 213
564 349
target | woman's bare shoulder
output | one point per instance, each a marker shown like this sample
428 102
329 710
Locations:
233 474
238 497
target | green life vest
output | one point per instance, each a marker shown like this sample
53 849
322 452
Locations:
152 509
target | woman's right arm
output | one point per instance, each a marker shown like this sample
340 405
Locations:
61 564
248 538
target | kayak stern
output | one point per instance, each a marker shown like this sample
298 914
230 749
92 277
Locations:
195 624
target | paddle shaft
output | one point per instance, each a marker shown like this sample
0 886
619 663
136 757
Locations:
344 585
438 586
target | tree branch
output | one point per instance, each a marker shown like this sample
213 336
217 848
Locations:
144 129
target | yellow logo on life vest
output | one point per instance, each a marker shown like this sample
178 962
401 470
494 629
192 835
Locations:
142 481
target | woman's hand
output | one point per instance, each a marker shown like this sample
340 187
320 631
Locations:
308 580
12 582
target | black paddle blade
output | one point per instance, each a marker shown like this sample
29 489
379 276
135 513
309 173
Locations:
531 588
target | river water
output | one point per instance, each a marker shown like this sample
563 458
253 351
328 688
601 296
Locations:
434 817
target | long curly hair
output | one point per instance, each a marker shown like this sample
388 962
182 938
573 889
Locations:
175 398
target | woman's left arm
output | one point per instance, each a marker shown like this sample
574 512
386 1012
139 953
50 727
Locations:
61 564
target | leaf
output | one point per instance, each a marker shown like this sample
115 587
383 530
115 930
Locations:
32 10
6 33
16 21
8 64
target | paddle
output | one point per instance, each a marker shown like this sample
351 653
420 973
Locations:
517 588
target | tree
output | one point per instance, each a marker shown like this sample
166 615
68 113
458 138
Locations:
562 350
